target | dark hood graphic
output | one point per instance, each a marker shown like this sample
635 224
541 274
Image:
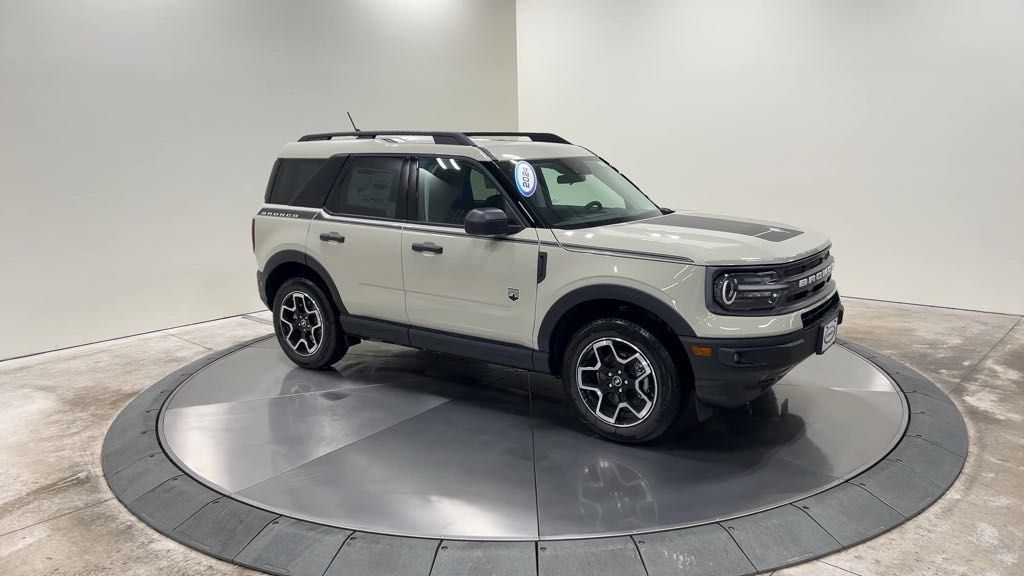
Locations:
759 230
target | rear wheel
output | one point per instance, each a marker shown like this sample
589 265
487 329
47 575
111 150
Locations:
307 326
623 381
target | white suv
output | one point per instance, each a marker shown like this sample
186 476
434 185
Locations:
525 250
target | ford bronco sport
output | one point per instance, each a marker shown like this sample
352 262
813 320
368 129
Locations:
525 250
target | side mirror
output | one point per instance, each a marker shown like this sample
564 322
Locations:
488 222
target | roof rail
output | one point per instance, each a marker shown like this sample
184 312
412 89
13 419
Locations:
535 136
457 138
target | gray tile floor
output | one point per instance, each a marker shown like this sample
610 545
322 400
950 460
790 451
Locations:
57 516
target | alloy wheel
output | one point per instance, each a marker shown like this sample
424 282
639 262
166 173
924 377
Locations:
616 382
301 323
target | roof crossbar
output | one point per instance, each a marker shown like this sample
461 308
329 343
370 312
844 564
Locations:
457 138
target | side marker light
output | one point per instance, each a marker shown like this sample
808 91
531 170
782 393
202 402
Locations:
702 351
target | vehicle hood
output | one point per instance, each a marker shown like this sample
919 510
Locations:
704 239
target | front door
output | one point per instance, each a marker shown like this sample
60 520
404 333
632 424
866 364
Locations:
456 283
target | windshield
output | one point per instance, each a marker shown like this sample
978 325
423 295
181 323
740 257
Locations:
581 192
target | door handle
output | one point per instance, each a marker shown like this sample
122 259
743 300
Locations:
332 237
428 247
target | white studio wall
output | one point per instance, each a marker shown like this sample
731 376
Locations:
897 127
136 138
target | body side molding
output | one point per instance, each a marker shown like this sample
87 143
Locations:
441 341
476 348
374 329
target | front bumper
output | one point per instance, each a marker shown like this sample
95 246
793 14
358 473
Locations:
732 372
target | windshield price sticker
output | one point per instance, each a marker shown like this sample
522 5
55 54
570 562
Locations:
526 178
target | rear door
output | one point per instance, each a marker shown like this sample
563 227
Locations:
456 283
358 236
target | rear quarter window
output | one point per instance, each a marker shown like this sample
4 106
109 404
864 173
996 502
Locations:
292 182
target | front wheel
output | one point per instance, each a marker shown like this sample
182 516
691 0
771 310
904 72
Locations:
623 381
306 325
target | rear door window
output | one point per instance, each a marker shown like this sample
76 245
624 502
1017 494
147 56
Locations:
371 187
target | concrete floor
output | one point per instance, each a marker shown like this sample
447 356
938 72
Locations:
58 518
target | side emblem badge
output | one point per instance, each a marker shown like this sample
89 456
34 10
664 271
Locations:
513 294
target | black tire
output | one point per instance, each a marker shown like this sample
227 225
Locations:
670 396
331 345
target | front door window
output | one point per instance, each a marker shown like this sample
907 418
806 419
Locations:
448 188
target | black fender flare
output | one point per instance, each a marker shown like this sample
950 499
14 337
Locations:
298 257
626 294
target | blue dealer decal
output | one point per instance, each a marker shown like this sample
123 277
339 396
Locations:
526 178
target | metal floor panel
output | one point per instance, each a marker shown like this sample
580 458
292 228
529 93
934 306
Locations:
588 486
409 443
255 372
462 469
235 445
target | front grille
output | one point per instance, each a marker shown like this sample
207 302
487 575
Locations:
807 264
798 283
802 295
819 311
793 274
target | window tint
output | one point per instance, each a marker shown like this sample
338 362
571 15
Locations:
370 187
291 178
448 188
579 192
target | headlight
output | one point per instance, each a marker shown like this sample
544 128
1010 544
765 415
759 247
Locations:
748 291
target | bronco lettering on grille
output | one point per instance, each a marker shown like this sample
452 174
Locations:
816 277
